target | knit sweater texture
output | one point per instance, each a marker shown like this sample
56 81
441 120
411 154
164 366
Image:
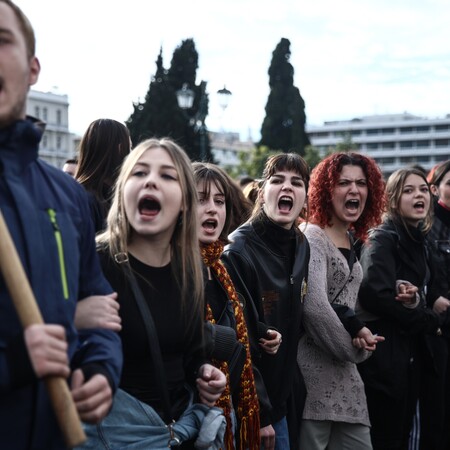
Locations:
326 355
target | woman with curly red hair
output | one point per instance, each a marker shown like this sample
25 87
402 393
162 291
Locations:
346 198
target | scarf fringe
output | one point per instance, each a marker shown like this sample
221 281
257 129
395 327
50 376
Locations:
249 433
248 406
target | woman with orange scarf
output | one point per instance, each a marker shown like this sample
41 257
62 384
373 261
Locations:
225 330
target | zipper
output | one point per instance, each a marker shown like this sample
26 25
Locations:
59 245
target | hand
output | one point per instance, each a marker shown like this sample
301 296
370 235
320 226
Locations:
267 437
98 311
406 293
272 343
93 399
47 349
210 384
441 305
366 340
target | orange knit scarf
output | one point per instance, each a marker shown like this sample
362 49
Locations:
248 406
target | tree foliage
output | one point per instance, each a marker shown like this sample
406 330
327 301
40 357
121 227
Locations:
160 116
283 127
346 145
252 163
312 156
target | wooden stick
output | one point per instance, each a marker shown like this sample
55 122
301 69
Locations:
28 312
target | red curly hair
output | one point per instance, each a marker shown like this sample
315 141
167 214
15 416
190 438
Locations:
323 180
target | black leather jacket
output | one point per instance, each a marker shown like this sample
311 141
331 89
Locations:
269 267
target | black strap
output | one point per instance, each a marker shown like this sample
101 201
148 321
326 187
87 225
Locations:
153 343
351 262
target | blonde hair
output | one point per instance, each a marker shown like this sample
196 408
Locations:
394 190
185 256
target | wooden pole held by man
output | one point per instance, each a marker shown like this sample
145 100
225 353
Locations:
29 314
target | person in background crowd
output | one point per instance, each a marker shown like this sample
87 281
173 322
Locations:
70 167
152 231
251 191
398 302
244 180
241 207
267 260
346 196
103 147
228 332
48 216
437 384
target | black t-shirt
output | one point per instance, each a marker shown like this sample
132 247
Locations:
181 343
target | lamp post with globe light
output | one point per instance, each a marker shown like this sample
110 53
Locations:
224 96
185 99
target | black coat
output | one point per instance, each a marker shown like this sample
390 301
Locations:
271 283
394 375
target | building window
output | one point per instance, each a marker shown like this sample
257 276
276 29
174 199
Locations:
423 159
385 160
355 132
44 141
387 145
372 132
422 129
440 158
387 130
406 130
423 144
372 146
441 127
58 142
442 142
408 159
37 112
58 117
44 113
406 144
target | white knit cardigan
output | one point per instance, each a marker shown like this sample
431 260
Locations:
326 355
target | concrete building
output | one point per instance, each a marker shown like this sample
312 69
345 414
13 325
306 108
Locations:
393 140
57 144
226 146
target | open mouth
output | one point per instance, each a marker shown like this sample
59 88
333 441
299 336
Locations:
419 205
149 206
209 225
352 204
285 203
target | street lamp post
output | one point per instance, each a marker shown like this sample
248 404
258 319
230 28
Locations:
224 96
185 99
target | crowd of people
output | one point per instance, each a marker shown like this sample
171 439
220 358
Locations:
307 309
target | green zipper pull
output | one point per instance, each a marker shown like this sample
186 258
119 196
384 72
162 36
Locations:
59 244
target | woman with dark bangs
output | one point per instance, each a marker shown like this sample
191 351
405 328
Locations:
346 198
267 260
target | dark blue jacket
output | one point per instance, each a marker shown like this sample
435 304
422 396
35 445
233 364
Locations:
48 216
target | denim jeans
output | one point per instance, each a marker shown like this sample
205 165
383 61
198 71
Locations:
134 425
281 435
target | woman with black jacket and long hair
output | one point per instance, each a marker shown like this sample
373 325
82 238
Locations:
397 299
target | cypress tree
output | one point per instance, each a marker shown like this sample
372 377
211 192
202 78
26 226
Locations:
283 127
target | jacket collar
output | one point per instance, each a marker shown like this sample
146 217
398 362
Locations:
19 144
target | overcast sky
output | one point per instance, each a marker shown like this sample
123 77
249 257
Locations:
351 58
